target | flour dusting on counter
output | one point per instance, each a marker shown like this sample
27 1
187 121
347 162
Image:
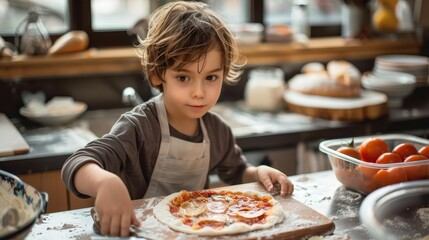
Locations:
330 237
423 215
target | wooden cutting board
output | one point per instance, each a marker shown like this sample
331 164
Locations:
11 141
370 105
301 221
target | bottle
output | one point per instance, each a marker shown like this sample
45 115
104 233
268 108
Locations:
35 38
299 18
351 20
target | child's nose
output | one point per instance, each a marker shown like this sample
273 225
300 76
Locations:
198 89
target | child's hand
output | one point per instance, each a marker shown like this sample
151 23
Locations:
269 176
114 208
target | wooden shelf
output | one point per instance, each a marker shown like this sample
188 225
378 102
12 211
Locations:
125 60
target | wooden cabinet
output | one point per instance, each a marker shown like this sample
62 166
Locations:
59 198
51 183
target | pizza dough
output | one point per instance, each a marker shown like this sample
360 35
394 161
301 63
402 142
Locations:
211 213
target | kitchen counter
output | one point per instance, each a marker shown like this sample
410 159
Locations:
50 147
320 191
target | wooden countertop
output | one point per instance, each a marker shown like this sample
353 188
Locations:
319 191
120 60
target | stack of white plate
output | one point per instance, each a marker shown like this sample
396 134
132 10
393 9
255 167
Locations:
396 86
412 64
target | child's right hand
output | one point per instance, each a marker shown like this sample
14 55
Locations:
114 208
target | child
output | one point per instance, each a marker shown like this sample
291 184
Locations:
171 142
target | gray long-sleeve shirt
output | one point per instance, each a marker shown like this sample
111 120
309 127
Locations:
131 148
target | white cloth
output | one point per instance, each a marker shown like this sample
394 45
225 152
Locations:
181 165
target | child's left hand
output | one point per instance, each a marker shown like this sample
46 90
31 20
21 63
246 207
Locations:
269 176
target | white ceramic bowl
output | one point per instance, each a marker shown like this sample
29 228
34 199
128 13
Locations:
28 201
248 33
399 211
55 118
396 86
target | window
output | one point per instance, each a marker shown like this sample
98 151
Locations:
321 12
117 14
232 11
107 21
53 13
324 16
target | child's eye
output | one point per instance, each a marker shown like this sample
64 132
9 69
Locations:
212 78
182 78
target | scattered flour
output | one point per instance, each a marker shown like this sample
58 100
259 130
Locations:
423 215
330 237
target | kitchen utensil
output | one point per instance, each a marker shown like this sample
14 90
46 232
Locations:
28 202
11 140
357 174
399 211
135 231
10 217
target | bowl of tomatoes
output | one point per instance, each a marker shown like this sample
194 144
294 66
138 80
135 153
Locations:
367 163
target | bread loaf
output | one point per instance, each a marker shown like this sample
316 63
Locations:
344 73
340 79
313 67
73 41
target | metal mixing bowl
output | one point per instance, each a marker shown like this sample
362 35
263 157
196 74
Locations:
398 211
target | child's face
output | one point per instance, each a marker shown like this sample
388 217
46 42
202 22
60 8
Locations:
192 91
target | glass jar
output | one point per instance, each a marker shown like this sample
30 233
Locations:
264 89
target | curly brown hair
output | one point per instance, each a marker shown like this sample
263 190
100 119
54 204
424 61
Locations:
184 32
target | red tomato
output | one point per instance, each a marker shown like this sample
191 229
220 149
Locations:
404 150
390 176
416 172
372 148
388 157
424 151
366 172
349 151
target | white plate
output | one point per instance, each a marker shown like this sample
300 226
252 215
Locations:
367 98
57 117
402 60
397 80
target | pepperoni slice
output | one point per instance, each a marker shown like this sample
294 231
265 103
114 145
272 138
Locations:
192 209
250 213
217 207
222 198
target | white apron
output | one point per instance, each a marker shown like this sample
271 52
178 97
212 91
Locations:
181 165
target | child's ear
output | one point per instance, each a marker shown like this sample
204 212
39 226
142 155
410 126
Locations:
155 80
